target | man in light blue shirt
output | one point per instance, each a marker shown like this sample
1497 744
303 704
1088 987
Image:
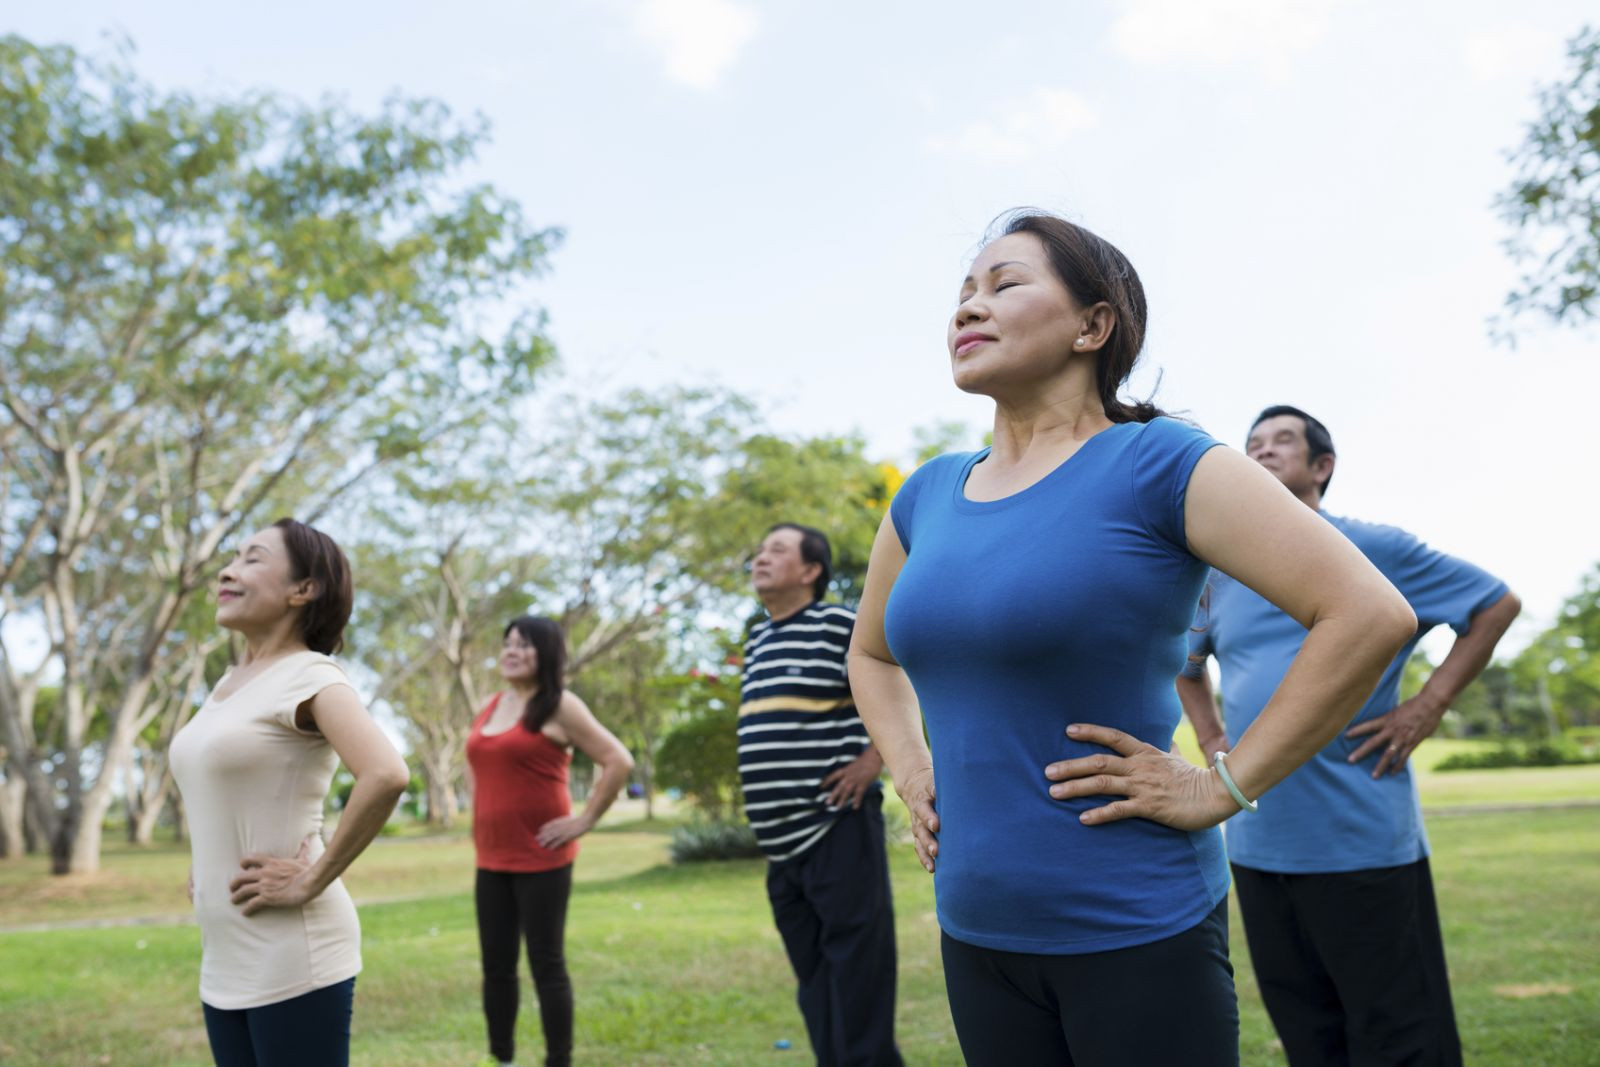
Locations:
1332 872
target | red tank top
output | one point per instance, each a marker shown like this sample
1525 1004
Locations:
519 784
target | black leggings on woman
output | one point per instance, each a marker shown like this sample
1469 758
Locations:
510 907
1167 1002
310 1030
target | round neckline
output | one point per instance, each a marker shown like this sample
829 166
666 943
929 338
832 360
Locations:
248 682
965 503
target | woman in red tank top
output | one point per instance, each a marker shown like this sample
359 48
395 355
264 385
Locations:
524 829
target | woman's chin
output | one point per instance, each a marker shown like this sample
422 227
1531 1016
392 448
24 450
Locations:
970 381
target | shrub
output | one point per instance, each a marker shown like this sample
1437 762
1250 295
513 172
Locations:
1547 752
702 841
701 757
1586 738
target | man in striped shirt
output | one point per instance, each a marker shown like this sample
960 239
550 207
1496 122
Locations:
810 779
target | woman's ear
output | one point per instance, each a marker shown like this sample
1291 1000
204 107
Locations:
1095 330
304 593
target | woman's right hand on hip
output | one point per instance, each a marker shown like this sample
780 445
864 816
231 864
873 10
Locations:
917 792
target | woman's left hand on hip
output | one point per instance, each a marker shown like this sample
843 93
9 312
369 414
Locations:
273 881
1152 784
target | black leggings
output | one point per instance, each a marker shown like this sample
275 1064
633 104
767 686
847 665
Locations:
311 1030
1168 1002
510 907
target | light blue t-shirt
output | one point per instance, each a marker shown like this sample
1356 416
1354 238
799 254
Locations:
1069 601
1331 815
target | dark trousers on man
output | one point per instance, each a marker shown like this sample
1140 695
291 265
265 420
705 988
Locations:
834 911
1351 965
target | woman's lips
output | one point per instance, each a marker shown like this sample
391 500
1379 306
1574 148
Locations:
968 341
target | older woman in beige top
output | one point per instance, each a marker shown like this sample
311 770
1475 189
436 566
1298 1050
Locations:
281 942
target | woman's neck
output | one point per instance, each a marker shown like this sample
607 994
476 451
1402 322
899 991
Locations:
522 692
1069 411
279 640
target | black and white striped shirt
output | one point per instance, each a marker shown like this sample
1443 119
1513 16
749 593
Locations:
797 725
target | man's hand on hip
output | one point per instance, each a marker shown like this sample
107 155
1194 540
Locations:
849 784
1396 734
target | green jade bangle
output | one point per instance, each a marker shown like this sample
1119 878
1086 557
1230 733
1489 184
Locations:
1227 780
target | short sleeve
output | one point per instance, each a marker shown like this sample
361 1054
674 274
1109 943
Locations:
902 509
317 674
1441 589
1163 460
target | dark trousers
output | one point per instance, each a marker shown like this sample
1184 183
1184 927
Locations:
1351 965
1168 1002
311 1030
512 907
835 913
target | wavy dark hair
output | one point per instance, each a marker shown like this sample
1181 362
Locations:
315 555
1094 270
550 675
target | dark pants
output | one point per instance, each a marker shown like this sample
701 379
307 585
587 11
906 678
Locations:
511 907
835 913
1168 1002
311 1030
1351 965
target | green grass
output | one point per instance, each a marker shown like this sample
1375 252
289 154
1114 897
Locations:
682 965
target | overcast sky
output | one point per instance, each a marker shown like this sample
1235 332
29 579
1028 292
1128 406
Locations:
781 197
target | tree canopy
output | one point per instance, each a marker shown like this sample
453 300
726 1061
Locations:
1553 204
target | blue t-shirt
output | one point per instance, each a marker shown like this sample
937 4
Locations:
1069 601
1331 815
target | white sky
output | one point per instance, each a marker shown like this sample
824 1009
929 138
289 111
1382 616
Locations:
781 196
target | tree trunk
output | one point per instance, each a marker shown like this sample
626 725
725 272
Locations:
13 801
144 826
35 831
76 849
79 852
437 764
441 801
148 798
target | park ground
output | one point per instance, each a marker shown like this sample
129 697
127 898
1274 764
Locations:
681 965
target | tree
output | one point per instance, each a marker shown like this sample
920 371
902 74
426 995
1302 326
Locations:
430 619
825 482
211 311
700 755
1561 668
635 692
1554 201
176 695
629 514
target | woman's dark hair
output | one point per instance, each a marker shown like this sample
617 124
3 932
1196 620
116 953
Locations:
550 675
814 548
1094 270
315 555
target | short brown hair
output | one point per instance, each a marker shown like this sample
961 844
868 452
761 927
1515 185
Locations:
315 555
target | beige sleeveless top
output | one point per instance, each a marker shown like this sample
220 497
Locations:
252 781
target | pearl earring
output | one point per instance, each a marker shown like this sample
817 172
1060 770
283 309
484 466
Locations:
1078 343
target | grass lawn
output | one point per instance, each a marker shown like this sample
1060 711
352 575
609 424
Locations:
682 965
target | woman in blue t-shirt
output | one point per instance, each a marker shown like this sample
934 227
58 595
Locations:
1030 604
